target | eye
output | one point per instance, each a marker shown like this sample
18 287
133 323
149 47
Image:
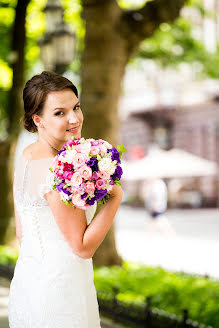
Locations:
76 107
57 114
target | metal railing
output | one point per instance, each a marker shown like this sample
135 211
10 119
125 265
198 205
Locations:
141 315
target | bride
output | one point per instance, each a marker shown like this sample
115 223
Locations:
53 285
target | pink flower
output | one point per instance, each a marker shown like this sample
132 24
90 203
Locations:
79 160
103 175
67 175
77 201
90 187
95 175
59 173
100 184
94 150
95 143
78 148
70 143
76 179
103 149
85 172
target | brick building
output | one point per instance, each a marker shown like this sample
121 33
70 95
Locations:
193 128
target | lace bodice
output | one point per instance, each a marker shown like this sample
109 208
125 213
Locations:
32 180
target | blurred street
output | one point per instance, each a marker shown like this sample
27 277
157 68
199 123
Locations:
194 249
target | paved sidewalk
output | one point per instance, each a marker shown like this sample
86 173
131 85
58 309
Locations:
194 249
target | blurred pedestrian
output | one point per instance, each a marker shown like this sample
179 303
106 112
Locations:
156 196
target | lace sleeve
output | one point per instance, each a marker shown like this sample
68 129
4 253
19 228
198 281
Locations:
47 186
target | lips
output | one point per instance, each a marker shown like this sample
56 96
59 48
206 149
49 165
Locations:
73 129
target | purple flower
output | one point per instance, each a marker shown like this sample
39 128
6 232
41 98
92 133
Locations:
60 151
92 163
118 173
90 201
84 195
99 194
60 188
114 155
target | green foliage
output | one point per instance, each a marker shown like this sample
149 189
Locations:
173 44
8 255
121 149
170 291
132 4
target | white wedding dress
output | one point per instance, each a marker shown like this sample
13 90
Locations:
52 287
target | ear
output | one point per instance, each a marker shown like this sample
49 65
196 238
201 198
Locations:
37 120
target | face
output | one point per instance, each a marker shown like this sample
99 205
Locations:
61 113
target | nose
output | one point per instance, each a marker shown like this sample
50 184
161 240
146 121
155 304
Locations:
73 118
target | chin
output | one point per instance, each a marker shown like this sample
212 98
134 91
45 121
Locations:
69 135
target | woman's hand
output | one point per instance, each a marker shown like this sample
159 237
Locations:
116 191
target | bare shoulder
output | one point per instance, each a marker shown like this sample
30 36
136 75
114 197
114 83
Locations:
27 152
35 152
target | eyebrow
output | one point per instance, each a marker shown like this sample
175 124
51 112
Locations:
65 108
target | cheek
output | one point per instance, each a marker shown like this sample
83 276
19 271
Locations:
58 124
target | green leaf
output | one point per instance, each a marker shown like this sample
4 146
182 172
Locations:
121 149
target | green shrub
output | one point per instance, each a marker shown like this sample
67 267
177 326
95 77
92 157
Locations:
8 255
171 292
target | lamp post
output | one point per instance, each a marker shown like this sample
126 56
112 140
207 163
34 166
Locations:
58 43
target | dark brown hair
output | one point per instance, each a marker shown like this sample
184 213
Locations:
36 91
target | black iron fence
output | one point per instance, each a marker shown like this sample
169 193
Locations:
141 315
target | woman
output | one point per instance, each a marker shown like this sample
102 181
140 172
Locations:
53 286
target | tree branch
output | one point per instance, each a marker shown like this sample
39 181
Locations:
137 25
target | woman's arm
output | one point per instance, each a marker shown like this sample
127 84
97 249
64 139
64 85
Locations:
83 239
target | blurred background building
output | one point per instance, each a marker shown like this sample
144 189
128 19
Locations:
174 109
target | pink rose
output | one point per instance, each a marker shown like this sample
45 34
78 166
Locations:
100 184
95 175
94 150
79 160
90 187
85 172
76 179
67 175
103 175
77 201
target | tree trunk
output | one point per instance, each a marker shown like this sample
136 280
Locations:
112 36
14 112
103 62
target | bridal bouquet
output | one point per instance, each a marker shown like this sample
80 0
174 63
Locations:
85 170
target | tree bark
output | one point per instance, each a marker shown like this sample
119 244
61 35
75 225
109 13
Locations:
112 37
14 111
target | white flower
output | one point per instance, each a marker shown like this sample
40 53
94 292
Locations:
69 155
85 148
64 196
107 165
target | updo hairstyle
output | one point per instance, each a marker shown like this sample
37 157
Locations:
36 91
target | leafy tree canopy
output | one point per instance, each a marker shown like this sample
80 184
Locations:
173 44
